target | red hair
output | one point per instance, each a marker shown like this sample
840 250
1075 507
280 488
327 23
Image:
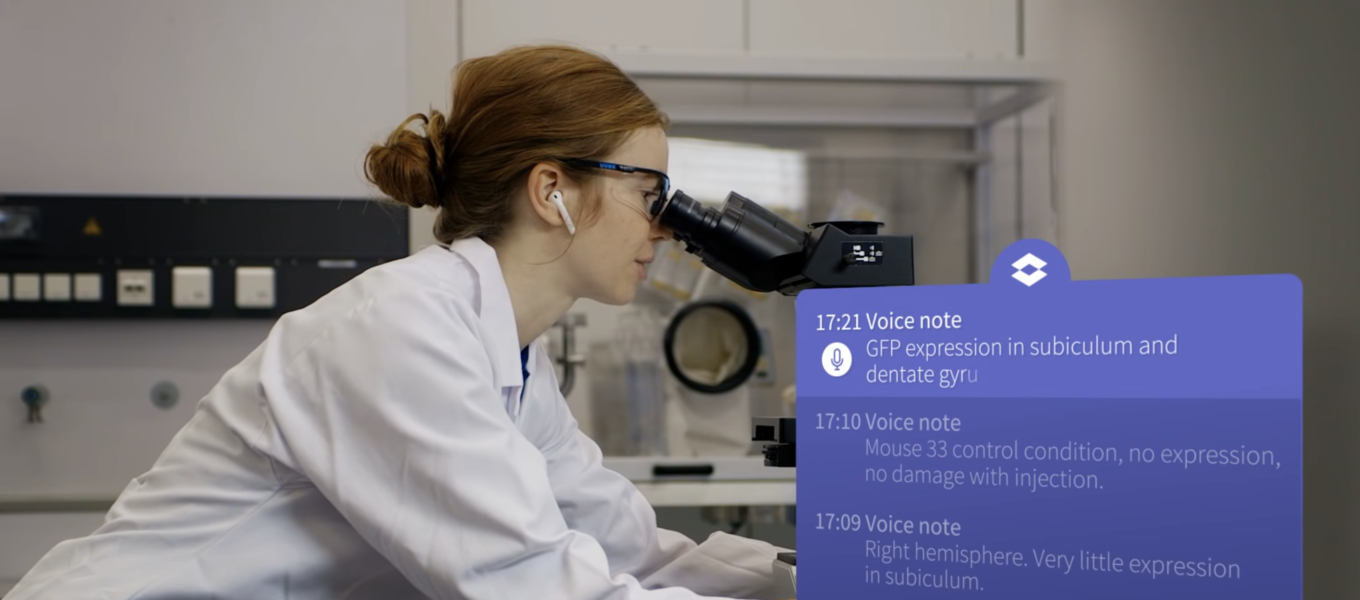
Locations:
510 111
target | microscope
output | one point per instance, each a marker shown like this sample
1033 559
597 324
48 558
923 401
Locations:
763 252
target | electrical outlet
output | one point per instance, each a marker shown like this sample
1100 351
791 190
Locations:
255 287
57 287
192 287
136 288
89 287
27 287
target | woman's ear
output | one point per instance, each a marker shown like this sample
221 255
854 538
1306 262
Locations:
551 196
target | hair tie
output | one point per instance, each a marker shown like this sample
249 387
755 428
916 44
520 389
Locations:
436 171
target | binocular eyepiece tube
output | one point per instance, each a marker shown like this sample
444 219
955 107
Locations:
761 251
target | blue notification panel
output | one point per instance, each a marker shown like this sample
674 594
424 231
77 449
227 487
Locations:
1042 438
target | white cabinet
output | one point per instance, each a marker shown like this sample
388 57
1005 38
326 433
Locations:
709 26
898 29
950 38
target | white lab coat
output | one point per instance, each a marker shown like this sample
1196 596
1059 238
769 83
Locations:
375 446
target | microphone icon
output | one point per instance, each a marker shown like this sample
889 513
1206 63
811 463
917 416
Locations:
836 359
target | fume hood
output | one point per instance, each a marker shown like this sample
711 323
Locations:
957 154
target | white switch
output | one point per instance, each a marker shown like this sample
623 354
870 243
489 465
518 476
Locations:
89 287
192 287
136 288
4 287
255 287
27 287
57 287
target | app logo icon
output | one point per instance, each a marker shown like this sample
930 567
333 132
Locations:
836 359
1029 261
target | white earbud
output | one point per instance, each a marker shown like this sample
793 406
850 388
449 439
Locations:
556 198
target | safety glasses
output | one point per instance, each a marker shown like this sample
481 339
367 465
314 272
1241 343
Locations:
660 192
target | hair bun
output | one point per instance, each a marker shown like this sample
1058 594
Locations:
408 167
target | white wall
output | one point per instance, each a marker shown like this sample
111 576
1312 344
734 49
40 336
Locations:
249 97
1222 137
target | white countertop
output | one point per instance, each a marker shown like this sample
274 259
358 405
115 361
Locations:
730 481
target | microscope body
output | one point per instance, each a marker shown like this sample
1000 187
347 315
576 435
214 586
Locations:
762 252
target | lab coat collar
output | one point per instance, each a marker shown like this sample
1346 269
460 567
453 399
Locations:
498 315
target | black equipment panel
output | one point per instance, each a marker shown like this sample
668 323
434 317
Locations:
64 242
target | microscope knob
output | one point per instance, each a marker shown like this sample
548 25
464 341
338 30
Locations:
34 396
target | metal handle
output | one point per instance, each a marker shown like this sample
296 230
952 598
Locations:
55 504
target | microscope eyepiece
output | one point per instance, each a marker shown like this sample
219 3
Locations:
743 241
761 251
683 215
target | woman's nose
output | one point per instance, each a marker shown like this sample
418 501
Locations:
661 232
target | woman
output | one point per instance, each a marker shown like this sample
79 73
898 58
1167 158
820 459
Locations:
402 437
